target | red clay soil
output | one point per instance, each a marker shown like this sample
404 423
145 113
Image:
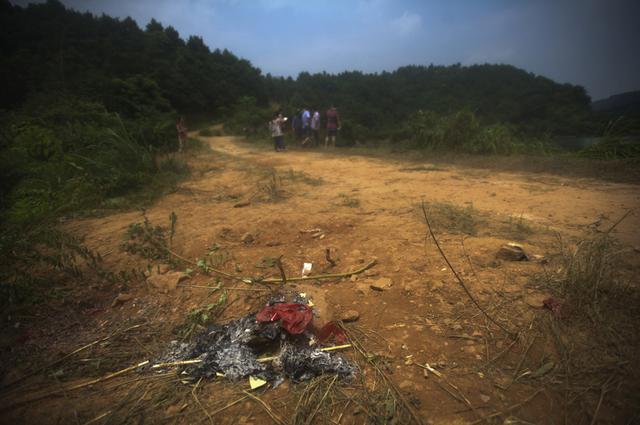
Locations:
360 208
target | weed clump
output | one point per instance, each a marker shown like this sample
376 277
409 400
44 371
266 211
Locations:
518 228
200 317
271 188
293 175
149 241
594 332
453 218
348 201
590 277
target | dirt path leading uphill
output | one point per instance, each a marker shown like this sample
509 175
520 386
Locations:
257 204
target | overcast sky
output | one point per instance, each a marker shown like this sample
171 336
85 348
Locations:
594 43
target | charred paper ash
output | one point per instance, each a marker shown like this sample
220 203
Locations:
273 344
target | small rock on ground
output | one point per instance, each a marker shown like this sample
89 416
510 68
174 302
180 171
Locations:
163 268
381 284
350 316
511 252
166 282
536 300
247 238
121 299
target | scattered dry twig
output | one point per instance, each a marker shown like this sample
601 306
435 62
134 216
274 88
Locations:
508 409
310 420
195 397
233 403
398 395
97 418
272 280
77 386
63 358
458 278
266 407
283 275
261 360
327 254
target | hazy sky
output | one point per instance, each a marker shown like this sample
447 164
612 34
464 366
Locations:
594 43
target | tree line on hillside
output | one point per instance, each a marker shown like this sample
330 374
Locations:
47 47
378 103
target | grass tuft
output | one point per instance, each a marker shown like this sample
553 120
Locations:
348 201
453 218
271 188
590 275
427 167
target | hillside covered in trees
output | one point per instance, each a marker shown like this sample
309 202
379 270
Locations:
48 48
87 102
495 93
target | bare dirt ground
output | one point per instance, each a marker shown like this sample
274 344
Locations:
297 204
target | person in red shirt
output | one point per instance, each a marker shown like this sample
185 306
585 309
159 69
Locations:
333 125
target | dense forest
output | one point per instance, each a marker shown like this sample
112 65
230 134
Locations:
48 48
89 101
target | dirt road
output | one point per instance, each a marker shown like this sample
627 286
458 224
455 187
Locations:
257 204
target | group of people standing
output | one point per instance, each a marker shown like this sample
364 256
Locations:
306 128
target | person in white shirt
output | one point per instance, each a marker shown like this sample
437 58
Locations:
275 126
315 127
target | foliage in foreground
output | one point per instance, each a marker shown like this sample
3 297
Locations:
70 156
594 328
61 158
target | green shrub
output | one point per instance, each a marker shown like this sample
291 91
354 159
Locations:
64 157
71 155
248 119
493 139
460 131
353 132
613 148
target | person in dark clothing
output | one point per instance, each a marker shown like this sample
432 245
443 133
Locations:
333 125
296 126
